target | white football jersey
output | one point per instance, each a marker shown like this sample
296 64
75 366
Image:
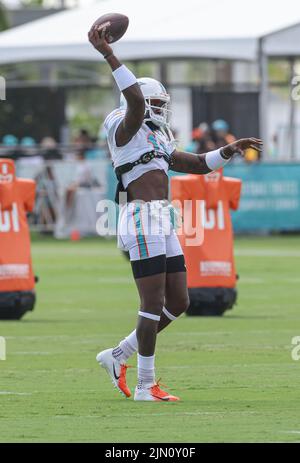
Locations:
145 140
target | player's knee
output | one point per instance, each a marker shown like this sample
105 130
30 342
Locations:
180 305
153 304
183 303
147 324
186 303
154 307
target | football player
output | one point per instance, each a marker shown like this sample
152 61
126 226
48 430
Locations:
143 149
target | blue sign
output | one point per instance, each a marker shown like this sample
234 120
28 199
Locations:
270 198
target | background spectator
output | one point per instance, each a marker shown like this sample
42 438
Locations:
29 153
220 133
49 149
84 178
10 148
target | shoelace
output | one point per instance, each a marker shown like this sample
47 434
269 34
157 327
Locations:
158 384
126 366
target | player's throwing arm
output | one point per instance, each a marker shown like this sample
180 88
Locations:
127 84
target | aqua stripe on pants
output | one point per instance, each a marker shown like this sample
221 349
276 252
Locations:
140 235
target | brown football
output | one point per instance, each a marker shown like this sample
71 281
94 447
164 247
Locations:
116 25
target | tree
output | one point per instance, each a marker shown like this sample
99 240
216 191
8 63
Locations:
60 3
4 24
33 2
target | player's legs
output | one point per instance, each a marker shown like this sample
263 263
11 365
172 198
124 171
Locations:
148 259
150 278
176 303
149 264
176 292
176 296
176 299
152 292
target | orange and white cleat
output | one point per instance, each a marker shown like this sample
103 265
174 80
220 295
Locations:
115 369
154 393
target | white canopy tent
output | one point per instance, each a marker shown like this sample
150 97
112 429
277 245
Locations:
227 29
215 29
281 43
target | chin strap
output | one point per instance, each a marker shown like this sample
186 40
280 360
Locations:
151 125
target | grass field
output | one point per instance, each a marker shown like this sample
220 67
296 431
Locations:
235 374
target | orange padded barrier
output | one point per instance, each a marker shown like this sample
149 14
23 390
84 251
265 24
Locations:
210 263
17 197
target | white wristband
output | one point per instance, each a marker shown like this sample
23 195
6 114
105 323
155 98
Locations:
124 77
214 160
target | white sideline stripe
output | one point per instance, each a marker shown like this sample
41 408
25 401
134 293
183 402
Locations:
114 252
137 415
250 280
266 253
91 339
95 252
198 413
119 280
95 337
108 266
14 393
291 432
271 279
243 279
34 353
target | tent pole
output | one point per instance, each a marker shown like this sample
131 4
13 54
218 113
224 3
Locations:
292 128
263 96
163 72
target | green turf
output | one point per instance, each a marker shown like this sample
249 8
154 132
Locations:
235 374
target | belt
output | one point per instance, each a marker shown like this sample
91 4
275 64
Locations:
144 159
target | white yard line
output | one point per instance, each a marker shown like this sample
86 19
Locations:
266 253
34 353
138 415
291 432
116 280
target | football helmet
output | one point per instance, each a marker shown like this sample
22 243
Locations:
156 100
